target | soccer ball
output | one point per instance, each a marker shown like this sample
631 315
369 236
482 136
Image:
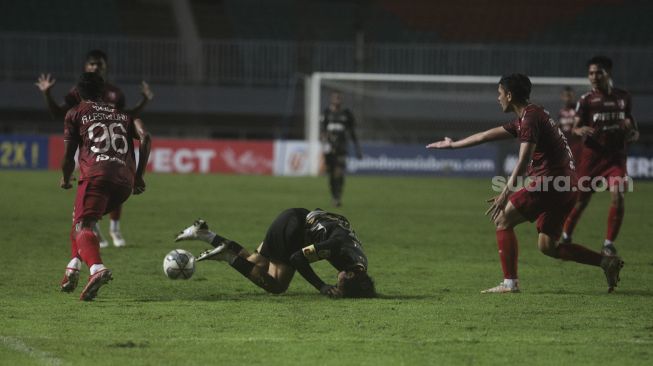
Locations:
179 264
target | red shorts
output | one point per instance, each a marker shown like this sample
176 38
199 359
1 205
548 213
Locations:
614 172
96 198
549 208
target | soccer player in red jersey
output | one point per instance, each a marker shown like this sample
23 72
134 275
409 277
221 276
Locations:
604 120
96 61
566 119
108 174
544 152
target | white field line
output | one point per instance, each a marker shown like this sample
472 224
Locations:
20 346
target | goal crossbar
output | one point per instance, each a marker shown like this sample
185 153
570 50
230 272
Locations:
312 96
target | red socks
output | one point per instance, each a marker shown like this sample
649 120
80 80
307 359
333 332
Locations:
88 247
615 217
508 252
578 253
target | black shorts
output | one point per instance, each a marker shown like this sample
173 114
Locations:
285 236
333 160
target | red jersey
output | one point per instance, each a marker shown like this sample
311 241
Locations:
606 114
566 117
112 95
552 156
105 139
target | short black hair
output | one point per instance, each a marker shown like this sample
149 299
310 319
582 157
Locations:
97 55
602 61
359 286
90 86
568 88
519 85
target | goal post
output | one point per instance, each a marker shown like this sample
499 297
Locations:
452 91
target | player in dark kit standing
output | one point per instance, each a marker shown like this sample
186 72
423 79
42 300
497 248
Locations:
604 120
295 239
544 151
96 61
335 124
566 120
108 175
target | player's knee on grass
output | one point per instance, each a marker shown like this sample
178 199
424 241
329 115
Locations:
267 282
547 245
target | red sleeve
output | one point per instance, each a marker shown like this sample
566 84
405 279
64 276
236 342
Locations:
529 131
71 127
511 127
72 98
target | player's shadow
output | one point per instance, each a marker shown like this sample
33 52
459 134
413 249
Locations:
265 297
617 292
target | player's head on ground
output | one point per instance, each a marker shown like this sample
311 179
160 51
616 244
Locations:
567 96
514 90
599 71
96 61
356 283
90 86
335 99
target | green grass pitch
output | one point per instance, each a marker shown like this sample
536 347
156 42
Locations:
430 249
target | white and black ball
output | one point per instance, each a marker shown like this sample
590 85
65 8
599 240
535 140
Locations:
179 264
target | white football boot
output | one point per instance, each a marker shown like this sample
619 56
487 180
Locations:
118 240
216 254
198 231
503 288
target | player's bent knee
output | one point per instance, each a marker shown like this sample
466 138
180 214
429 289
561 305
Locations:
547 245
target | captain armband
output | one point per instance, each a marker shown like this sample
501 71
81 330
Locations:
310 253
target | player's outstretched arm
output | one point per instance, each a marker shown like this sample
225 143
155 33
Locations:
301 263
147 94
493 134
45 82
68 164
143 155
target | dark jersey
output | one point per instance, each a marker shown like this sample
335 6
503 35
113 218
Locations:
335 127
606 113
104 136
335 240
112 95
566 119
552 156
331 235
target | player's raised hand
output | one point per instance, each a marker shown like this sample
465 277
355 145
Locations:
442 144
139 185
146 91
45 82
